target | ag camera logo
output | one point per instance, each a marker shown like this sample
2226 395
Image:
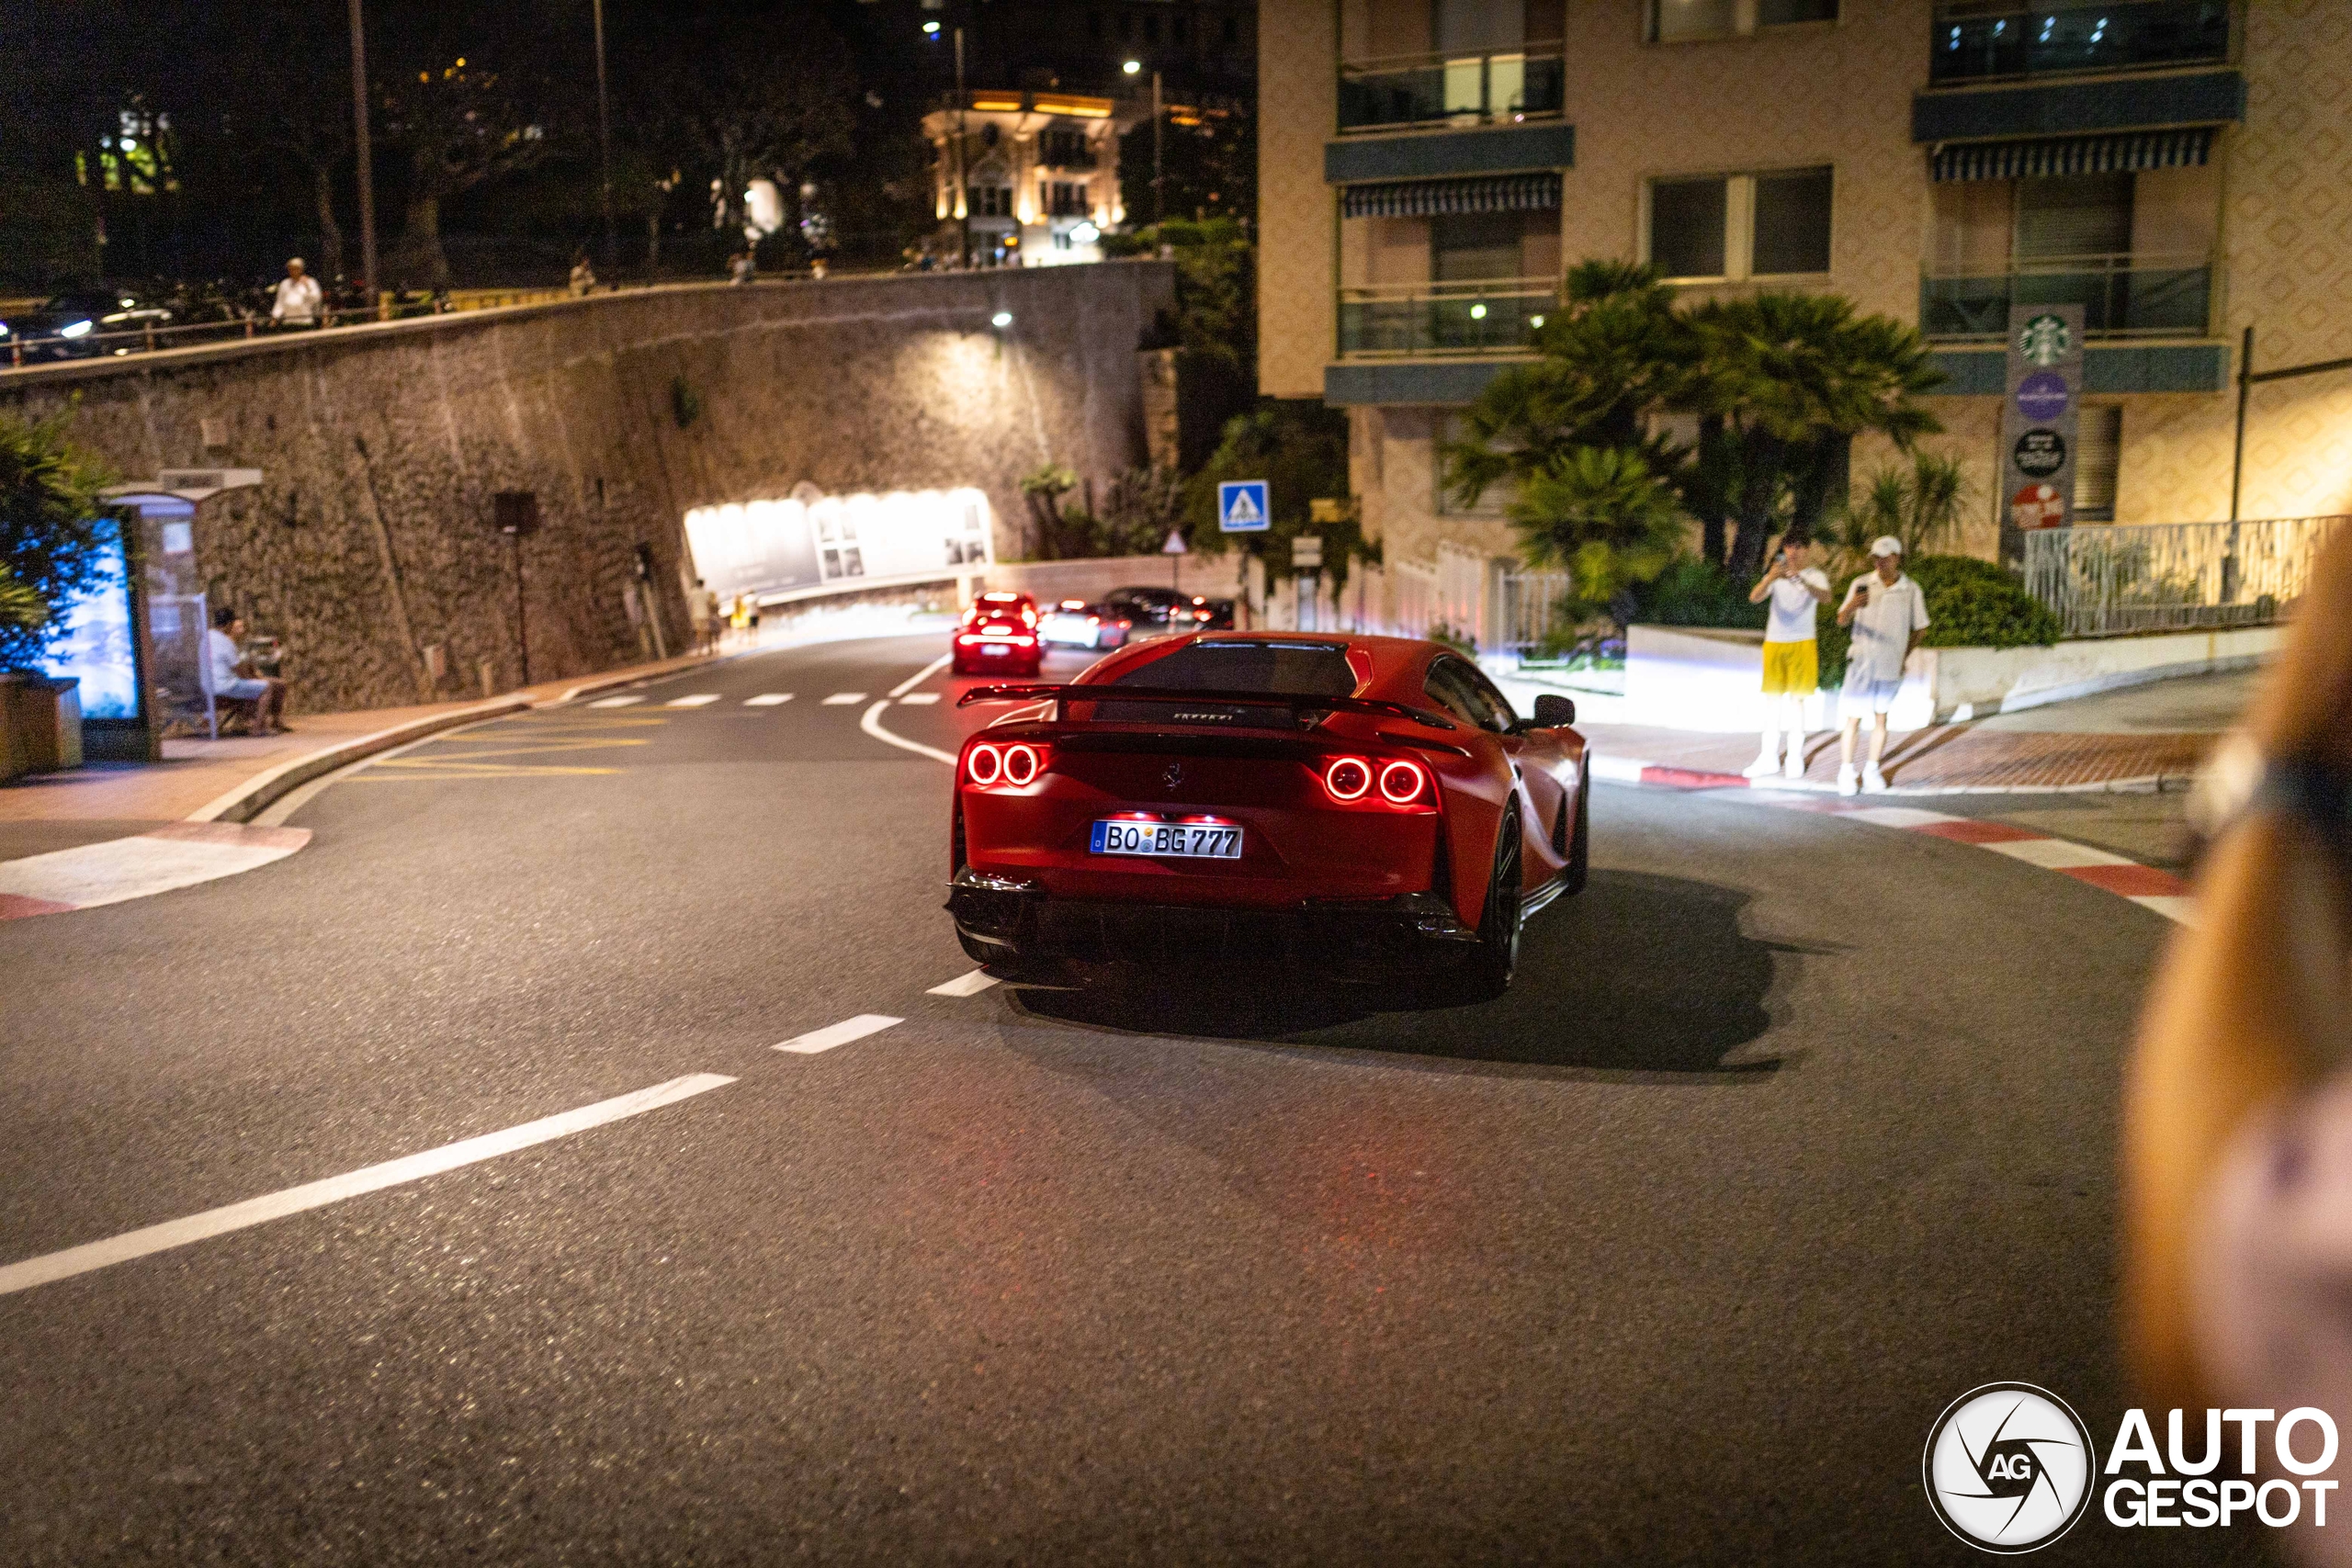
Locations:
2008 1467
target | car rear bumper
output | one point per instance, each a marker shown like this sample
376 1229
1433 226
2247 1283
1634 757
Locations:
1013 920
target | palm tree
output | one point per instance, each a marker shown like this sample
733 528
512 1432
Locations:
1601 512
1922 505
1785 383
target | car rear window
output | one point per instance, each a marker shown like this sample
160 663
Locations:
1285 669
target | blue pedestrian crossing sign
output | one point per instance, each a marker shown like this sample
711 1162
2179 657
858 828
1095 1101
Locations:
1241 506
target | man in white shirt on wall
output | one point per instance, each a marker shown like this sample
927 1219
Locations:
297 300
1791 651
1887 613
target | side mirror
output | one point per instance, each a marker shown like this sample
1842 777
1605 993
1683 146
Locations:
1555 712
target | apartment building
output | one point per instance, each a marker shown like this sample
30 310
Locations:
1032 175
2180 168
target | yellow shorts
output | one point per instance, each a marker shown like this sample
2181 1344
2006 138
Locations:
1792 668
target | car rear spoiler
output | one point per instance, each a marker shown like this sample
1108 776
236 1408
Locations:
1297 704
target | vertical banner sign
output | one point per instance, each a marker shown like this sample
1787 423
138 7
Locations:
2039 408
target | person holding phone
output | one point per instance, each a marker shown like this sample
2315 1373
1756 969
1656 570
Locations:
1887 613
1792 650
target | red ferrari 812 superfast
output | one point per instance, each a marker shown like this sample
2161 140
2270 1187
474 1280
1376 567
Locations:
1363 808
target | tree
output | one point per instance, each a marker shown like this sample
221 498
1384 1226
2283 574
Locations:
1604 515
1213 328
1300 449
1785 382
51 534
459 123
1208 163
1920 504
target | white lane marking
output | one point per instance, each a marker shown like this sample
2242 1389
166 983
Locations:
616 702
768 699
970 985
840 1033
920 676
919 699
96 1254
115 869
700 699
1898 815
872 724
2055 855
2171 906
842 699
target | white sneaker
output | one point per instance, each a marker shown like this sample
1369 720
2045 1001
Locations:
1767 763
1846 783
1873 782
1794 768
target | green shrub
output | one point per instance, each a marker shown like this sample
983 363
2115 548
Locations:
1971 604
1694 592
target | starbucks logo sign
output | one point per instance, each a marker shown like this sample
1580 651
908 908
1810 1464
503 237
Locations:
2045 341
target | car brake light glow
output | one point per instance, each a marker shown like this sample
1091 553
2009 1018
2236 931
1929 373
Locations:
1021 764
983 764
1347 778
1400 783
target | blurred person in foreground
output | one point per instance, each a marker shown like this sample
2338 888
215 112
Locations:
2238 1123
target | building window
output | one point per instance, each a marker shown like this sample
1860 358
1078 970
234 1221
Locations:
1673 21
991 201
1066 199
1773 224
2099 459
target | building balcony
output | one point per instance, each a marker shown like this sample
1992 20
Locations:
1992 40
1405 320
2122 296
1405 92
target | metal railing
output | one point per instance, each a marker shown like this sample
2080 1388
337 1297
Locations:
2105 579
21 349
1981 42
1452 89
1495 316
2122 296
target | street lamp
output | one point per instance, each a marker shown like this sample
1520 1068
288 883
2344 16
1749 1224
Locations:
364 148
1001 320
1159 191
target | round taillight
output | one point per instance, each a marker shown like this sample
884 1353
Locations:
984 764
1347 778
1020 765
1400 781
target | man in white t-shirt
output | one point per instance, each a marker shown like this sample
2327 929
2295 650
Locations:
225 677
297 300
1792 651
1887 613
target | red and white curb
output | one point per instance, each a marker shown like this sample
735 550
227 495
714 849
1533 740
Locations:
180 855
2145 886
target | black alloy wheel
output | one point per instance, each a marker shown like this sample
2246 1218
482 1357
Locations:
1497 954
1579 866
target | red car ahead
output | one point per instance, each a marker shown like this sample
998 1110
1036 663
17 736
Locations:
999 635
1355 805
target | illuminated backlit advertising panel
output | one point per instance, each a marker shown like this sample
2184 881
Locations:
98 647
811 543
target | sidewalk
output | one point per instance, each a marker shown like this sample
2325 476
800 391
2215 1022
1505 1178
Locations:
111 800
1943 758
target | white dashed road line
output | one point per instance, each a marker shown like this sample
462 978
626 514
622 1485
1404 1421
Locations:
842 699
616 702
700 699
840 1033
970 985
768 699
97 1255
872 724
919 699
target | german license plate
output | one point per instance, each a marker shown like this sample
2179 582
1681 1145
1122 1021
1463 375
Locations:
1192 840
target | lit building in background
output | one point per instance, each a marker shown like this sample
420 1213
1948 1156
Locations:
1037 173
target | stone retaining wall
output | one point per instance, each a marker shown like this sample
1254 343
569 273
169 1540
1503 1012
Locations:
382 445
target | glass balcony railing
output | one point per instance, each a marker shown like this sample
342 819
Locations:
1433 89
2120 296
1987 39
1406 320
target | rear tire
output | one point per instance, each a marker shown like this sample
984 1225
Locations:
1580 865
1497 955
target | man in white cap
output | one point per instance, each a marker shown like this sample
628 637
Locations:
1887 613
297 300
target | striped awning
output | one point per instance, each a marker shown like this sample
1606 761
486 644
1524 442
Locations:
2123 152
1429 199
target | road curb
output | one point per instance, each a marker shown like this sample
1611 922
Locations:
263 789
1665 775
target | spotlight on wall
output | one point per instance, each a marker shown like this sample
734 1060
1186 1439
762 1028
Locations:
1133 67
1001 318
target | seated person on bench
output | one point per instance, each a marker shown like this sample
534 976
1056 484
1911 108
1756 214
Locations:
230 677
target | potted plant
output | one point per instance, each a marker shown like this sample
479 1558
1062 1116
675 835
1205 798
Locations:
52 535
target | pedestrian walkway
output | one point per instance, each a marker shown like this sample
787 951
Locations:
102 801
1943 757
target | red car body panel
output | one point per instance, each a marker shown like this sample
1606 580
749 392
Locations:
1301 848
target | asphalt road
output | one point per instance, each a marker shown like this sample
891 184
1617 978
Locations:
1792 1130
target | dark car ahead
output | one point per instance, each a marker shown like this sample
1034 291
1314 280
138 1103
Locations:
82 323
1159 611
